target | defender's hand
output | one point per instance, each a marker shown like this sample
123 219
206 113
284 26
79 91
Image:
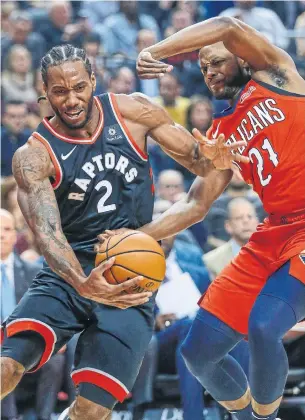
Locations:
107 234
149 68
221 154
98 289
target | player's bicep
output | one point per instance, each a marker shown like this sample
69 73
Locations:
253 47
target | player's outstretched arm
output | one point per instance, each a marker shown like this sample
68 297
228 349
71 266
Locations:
32 168
193 153
192 208
239 38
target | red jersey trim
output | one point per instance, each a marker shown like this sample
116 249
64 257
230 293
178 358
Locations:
102 380
75 140
47 333
58 170
122 124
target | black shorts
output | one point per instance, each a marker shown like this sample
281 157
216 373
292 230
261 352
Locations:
110 349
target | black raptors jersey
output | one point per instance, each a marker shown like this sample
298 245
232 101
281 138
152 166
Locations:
102 182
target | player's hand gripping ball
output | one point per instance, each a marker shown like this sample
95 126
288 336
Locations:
136 254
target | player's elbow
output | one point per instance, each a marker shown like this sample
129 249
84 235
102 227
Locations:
198 211
230 25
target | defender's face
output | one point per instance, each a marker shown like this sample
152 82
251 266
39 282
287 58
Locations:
70 93
222 71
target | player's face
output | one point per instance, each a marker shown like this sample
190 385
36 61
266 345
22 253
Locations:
70 92
222 71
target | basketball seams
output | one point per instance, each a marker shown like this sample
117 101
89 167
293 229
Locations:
107 259
135 272
121 240
137 250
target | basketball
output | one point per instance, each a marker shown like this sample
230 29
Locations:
136 254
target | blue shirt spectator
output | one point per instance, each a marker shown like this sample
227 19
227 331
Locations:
121 30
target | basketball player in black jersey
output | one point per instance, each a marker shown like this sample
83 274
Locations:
81 172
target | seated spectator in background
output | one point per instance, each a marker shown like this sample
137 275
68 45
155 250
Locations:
185 280
215 219
93 47
13 132
122 80
180 19
145 39
199 114
7 8
170 98
18 77
170 185
262 19
22 33
240 224
16 277
120 30
98 11
58 27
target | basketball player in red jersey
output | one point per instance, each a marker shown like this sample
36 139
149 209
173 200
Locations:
261 294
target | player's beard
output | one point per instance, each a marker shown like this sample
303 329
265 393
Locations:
233 86
80 125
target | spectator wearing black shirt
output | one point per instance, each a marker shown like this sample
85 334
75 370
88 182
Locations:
13 133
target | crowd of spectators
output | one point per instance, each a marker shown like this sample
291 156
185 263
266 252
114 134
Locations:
112 34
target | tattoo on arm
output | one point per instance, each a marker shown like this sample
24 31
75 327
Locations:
31 168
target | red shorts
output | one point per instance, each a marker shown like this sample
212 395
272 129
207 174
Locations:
232 294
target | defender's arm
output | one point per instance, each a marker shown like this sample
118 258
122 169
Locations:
190 209
32 168
238 37
174 139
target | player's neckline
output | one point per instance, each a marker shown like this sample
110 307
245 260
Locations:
76 140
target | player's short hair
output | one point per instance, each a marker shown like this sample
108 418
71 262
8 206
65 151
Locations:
62 54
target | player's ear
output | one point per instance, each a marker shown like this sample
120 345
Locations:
228 227
93 80
44 89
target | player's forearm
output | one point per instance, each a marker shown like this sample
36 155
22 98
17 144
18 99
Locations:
190 209
42 215
193 37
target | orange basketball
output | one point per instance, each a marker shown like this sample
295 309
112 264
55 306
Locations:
136 254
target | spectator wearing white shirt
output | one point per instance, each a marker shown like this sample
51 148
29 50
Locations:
262 19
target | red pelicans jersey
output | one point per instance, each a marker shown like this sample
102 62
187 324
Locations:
272 122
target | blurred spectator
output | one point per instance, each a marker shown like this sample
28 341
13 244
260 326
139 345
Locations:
215 219
58 28
170 98
93 47
7 7
199 114
262 19
121 29
21 32
240 224
98 11
300 41
180 19
122 81
13 132
17 77
194 8
170 185
160 10
145 39
286 10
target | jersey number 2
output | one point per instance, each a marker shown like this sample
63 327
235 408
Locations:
260 161
101 208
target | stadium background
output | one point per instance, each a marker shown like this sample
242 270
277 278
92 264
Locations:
112 34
